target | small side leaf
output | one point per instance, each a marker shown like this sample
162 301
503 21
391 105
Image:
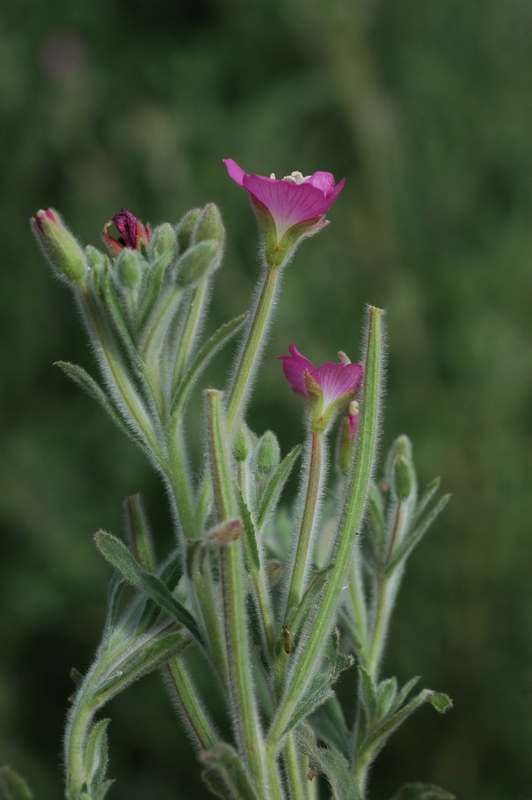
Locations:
317 692
13 786
423 791
250 534
406 547
276 485
119 556
226 764
330 764
425 498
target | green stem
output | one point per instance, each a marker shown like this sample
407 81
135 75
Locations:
349 525
245 714
190 707
244 373
179 483
296 780
308 522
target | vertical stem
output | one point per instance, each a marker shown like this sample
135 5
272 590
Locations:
180 489
244 372
296 780
245 716
308 521
349 525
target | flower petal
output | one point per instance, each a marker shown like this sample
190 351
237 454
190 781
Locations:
294 366
337 380
235 172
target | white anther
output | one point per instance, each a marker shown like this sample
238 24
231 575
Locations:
343 358
353 408
296 177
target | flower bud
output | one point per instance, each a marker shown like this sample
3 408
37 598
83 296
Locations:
128 269
268 453
94 258
185 228
403 478
197 261
59 246
209 225
240 446
163 243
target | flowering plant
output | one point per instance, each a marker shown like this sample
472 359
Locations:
275 614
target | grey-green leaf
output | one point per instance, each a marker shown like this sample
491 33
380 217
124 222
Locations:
276 485
13 786
227 765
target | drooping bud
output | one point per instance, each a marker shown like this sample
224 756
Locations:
197 261
133 233
163 243
59 246
185 228
240 446
268 453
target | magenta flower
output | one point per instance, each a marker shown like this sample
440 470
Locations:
292 201
333 383
132 233
352 418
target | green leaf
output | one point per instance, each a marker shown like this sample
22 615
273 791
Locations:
317 692
152 294
300 613
119 556
96 756
376 517
275 486
13 786
229 771
386 696
423 791
329 763
425 499
83 379
368 693
405 548
211 346
138 532
329 725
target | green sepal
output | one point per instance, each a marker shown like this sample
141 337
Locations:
13 786
423 791
138 532
268 454
211 346
329 725
329 763
209 226
163 242
119 556
198 260
128 269
412 539
185 228
230 773
275 486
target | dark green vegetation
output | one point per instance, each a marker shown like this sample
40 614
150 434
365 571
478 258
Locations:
425 108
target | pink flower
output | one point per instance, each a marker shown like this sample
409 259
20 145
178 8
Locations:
335 382
292 200
132 231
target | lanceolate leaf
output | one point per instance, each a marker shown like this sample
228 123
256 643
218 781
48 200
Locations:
329 763
219 338
13 786
119 556
406 547
317 692
225 762
276 485
252 550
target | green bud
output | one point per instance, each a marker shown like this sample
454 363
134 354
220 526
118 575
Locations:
197 261
59 246
163 242
185 228
210 225
240 446
95 258
128 268
268 453
403 477
401 447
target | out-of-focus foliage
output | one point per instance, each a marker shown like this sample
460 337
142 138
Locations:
425 108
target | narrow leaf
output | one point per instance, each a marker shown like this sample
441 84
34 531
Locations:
406 547
226 762
276 485
13 786
426 497
217 340
329 763
368 692
317 692
386 696
119 556
250 534
138 532
423 791
308 601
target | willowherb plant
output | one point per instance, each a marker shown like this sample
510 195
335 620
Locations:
277 606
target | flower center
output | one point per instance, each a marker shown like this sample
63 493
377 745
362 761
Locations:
295 177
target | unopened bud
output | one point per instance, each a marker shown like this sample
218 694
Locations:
128 269
209 225
240 446
403 478
268 453
95 258
163 242
59 246
197 261
185 228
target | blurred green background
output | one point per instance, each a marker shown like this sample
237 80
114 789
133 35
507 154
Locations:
426 108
